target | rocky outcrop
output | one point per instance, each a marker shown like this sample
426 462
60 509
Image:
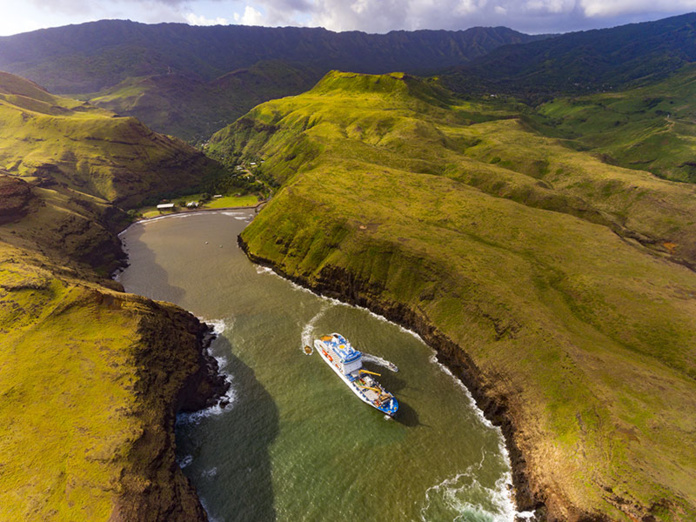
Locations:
176 374
15 196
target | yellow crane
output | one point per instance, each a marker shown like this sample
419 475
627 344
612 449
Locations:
371 373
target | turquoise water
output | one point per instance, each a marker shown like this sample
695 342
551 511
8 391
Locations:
295 443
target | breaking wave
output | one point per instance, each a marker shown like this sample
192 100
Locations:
462 498
227 400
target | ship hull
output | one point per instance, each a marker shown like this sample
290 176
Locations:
390 408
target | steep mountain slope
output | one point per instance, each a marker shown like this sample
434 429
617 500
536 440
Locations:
546 278
649 128
89 150
585 61
192 81
93 56
193 109
90 378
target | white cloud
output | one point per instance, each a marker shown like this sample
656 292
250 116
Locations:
251 16
194 19
551 6
603 8
377 16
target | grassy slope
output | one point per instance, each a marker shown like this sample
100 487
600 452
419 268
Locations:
647 128
191 108
75 403
90 378
88 149
517 249
582 62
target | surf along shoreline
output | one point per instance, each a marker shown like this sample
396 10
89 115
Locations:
449 354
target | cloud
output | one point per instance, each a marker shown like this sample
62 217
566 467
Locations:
600 8
194 19
523 15
250 17
377 16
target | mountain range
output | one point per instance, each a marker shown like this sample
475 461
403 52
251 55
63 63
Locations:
526 203
191 81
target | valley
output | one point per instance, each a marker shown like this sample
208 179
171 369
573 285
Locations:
525 204
90 377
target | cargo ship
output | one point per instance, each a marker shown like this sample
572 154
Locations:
346 361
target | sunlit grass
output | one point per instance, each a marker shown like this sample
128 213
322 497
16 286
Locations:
523 251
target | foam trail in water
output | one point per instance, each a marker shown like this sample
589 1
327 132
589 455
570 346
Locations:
501 494
184 461
379 361
308 330
204 503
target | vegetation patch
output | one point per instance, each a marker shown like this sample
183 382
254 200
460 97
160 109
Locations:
545 266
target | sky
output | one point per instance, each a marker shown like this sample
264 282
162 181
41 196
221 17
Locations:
373 16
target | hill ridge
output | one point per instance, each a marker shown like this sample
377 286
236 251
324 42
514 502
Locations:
60 58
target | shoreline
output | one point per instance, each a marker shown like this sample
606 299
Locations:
455 359
256 208
447 353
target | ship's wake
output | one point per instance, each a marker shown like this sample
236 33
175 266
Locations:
380 362
308 330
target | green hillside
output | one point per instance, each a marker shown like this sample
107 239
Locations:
193 109
90 377
552 282
582 62
94 56
190 81
90 150
650 128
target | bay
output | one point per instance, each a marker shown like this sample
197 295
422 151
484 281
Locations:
295 443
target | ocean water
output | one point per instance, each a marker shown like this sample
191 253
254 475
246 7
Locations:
294 443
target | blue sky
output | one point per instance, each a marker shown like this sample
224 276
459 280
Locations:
375 16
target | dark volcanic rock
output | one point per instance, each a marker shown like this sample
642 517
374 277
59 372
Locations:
15 196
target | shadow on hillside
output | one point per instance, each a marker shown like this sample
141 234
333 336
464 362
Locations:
229 452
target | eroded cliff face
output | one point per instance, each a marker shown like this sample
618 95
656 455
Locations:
338 283
497 393
93 380
175 374
92 377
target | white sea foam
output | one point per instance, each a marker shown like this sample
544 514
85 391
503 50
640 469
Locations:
308 330
185 461
209 473
502 492
235 213
456 495
379 361
219 327
204 503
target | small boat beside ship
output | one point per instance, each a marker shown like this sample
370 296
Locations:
346 361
